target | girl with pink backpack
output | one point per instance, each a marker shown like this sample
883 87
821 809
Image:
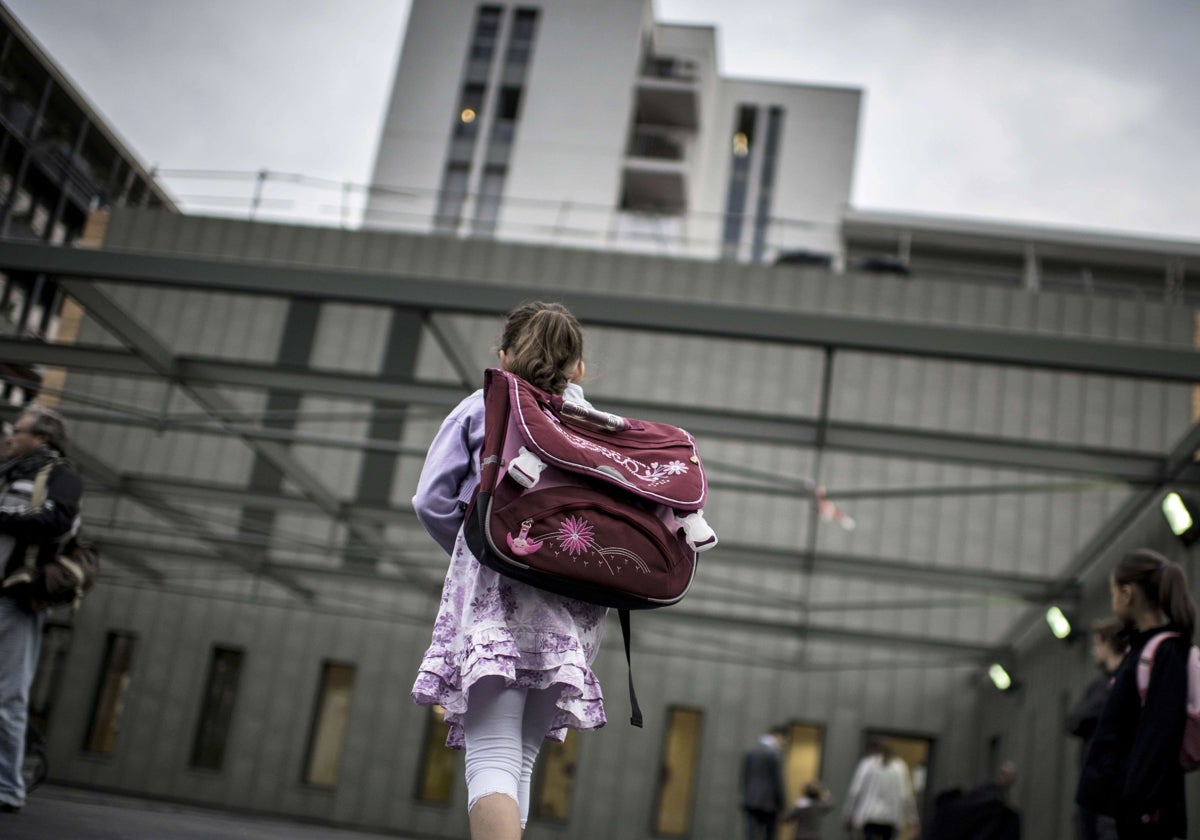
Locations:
1134 767
509 663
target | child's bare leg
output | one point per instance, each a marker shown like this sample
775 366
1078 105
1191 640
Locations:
495 817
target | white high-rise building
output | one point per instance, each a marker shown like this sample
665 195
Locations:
592 124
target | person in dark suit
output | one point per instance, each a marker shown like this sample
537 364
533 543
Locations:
763 794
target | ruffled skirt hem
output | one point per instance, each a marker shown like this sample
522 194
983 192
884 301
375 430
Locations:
445 679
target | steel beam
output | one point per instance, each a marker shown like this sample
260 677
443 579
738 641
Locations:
95 469
1134 467
1026 587
1180 461
919 444
89 357
823 329
145 345
773 628
974 650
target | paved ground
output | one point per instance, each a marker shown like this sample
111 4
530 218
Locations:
62 813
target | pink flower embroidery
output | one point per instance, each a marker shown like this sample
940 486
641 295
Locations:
575 535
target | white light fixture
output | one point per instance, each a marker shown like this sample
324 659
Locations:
1000 677
467 115
741 144
1059 625
1177 514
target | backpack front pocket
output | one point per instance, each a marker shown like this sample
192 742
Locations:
584 534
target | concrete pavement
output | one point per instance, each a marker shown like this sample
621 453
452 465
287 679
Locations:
64 813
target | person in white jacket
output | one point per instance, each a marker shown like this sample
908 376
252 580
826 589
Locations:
880 801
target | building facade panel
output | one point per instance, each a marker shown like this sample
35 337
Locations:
742 668
557 124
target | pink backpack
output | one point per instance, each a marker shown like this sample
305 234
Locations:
1189 750
586 504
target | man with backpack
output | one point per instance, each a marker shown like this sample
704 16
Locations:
39 507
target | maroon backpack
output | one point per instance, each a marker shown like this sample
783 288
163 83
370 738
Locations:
586 504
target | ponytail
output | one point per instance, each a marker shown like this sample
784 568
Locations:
1164 584
542 344
1176 600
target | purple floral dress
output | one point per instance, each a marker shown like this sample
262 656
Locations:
488 624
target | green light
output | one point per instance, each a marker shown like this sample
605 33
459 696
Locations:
1059 626
1177 514
1000 677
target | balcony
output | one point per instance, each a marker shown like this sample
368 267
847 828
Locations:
666 67
654 177
666 93
657 144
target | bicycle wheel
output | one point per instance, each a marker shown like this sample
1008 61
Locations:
34 770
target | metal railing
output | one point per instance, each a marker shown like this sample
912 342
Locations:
301 199
293 198
666 67
656 144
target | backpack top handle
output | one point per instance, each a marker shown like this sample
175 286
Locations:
583 415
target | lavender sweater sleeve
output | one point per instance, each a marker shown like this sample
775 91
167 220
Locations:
451 472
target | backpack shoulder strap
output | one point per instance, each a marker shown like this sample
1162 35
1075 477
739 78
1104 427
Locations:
1146 661
38 498
1193 681
635 709
39 485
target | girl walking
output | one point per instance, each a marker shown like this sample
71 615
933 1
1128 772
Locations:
510 664
1132 770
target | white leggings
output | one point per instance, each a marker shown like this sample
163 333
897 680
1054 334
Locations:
504 729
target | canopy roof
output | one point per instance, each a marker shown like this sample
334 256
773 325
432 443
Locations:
250 405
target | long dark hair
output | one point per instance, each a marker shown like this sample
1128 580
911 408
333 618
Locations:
1163 583
542 344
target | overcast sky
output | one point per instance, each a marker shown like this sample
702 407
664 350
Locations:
1075 113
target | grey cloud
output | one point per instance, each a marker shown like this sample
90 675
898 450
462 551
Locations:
1078 112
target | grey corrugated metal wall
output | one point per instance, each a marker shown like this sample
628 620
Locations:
844 687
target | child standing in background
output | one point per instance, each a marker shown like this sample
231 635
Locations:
807 811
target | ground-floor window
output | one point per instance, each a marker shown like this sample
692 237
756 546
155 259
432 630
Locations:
334 694
216 710
677 779
115 675
554 778
802 759
435 783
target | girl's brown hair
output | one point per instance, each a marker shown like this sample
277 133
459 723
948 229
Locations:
542 344
1163 583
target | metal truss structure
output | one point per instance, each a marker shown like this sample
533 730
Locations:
81 274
